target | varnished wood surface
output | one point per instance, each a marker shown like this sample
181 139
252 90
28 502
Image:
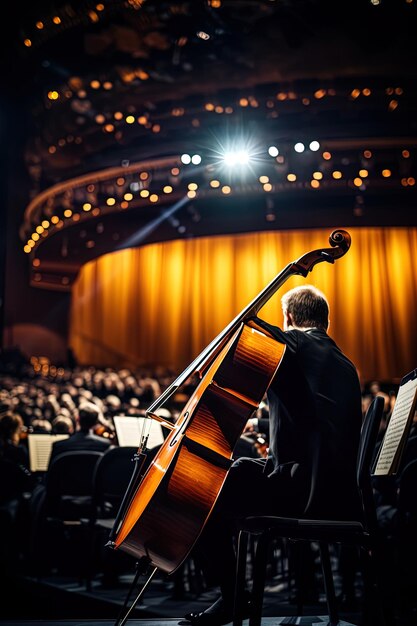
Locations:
177 493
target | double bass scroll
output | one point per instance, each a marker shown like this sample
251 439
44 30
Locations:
166 508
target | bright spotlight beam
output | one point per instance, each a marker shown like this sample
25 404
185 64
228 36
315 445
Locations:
141 234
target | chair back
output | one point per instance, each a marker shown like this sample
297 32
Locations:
367 443
70 476
409 453
407 487
111 479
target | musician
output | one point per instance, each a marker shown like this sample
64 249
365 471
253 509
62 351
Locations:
14 458
315 420
16 483
89 416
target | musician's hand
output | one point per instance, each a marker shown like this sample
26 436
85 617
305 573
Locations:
262 447
250 426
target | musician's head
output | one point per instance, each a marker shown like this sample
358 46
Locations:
11 425
88 415
305 307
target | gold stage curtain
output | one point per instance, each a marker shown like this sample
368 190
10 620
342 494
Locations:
161 304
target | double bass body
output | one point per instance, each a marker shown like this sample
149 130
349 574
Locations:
180 487
165 510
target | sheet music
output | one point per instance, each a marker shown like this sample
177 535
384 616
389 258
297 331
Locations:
402 413
130 429
40 447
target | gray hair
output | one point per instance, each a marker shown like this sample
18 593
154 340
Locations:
308 307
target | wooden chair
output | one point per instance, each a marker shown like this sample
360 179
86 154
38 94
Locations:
325 532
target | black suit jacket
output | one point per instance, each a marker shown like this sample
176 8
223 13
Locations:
80 440
315 420
263 426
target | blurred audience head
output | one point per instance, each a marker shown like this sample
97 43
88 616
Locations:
5 407
62 424
40 426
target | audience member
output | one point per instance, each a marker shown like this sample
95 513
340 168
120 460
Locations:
41 426
62 424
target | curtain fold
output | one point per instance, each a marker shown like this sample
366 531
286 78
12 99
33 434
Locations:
163 303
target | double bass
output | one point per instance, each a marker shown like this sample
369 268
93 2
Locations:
166 507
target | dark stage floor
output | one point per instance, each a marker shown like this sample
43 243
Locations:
57 599
267 621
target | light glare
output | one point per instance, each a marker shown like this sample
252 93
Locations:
240 157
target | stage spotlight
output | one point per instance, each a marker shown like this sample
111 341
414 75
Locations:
314 146
186 159
299 147
196 159
273 151
238 157
237 154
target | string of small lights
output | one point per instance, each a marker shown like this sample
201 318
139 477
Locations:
147 125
